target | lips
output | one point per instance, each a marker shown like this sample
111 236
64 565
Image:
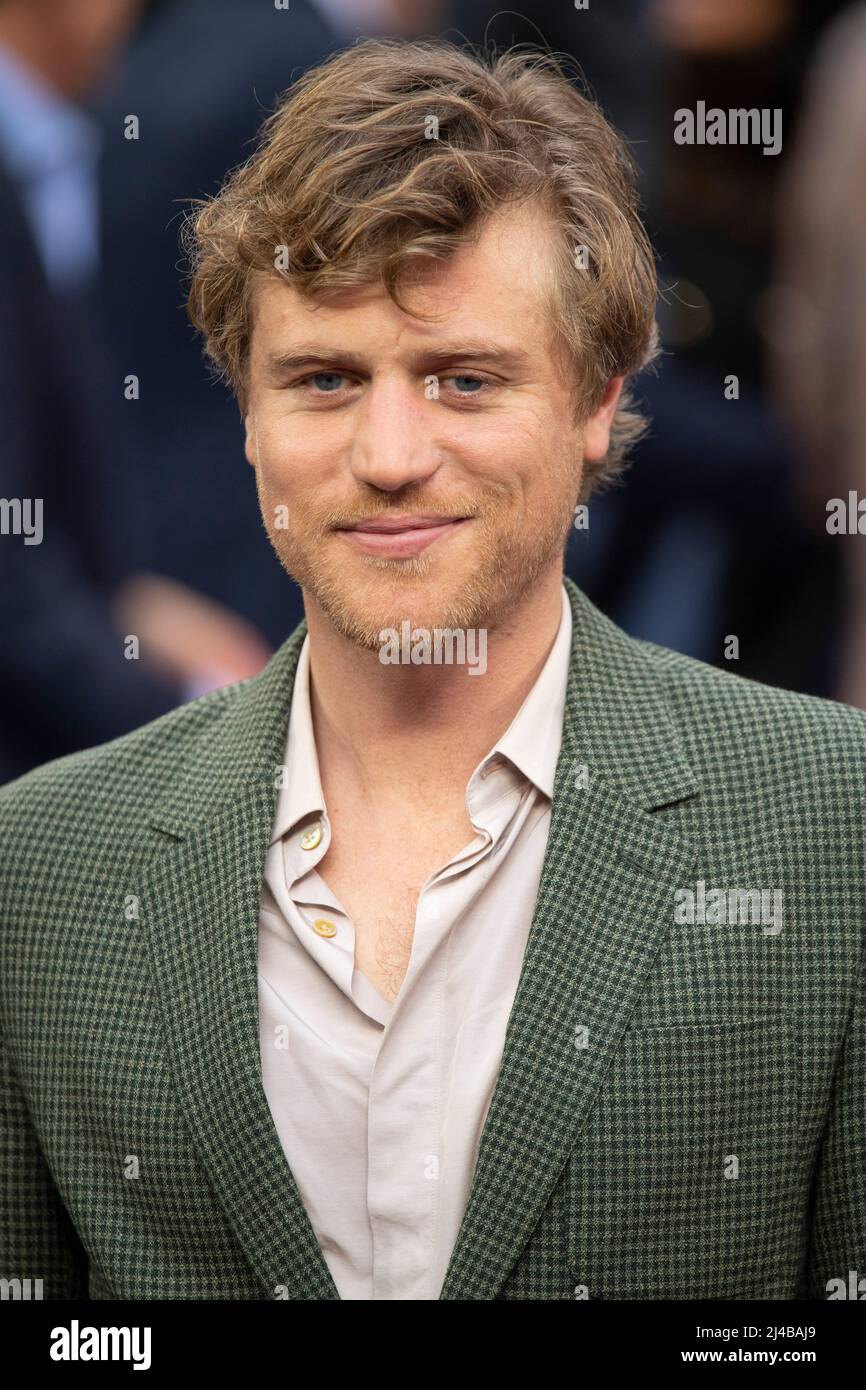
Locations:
399 537
395 524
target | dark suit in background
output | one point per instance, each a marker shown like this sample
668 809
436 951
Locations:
64 682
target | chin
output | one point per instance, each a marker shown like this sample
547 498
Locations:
389 605
362 597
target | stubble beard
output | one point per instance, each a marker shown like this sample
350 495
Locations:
361 595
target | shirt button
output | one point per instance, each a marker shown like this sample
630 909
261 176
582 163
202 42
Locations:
322 927
312 837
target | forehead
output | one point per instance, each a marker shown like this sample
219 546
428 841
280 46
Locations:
498 281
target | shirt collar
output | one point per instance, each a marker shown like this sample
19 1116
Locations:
531 742
534 737
300 792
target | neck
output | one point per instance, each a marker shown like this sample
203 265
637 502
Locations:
424 728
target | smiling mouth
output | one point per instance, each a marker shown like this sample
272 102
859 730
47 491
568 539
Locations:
400 536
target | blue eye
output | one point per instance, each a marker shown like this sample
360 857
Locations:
331 379
475 380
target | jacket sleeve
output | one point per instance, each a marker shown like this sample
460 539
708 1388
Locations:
37 1237
837 1244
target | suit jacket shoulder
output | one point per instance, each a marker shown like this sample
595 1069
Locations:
112 787
728 721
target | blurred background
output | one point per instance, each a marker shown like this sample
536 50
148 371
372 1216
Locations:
115 113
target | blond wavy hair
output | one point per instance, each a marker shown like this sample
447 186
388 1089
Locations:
396 149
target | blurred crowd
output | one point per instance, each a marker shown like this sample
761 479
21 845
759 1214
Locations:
143 577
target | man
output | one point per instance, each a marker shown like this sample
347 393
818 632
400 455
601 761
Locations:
473 950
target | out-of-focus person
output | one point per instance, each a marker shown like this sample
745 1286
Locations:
704 545
819 306
67 677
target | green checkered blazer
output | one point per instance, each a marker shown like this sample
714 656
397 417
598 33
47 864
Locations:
680 1110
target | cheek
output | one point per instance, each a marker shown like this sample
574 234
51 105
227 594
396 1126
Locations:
279 481
297 476
282 461
501 448
297 452
534 456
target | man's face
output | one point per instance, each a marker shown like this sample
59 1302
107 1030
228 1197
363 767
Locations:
410 469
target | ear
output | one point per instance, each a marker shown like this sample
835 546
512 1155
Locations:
251 445
596 430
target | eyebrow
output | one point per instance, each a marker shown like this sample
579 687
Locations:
315 355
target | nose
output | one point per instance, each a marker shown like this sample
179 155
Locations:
394 444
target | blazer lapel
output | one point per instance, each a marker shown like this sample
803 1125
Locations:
604 902
200 902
